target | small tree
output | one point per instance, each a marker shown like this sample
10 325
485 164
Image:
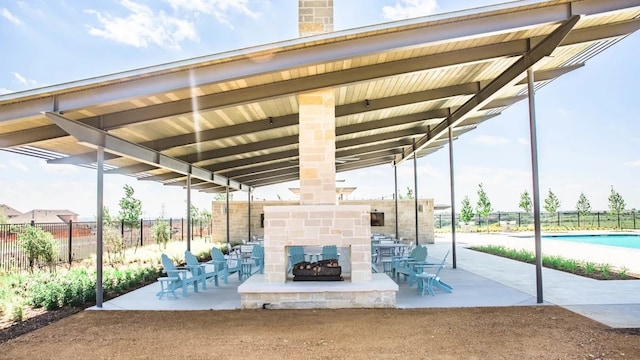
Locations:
551 203
525 202
38 244
130 211
205 217
466 213
409 193
616 204
113 239
583 207
161 232
483 206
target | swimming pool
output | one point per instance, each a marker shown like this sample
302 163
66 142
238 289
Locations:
621 240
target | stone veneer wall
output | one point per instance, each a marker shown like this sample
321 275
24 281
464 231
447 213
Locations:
315 17
316 225
406 227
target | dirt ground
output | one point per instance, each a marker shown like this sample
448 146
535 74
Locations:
537 332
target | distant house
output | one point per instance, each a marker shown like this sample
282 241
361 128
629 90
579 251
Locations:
9 212
44 216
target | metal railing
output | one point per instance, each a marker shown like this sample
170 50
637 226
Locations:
77 240
568 219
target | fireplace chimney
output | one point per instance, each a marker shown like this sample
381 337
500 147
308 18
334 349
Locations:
315 17
317 118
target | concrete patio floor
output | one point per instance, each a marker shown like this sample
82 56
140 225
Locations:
479 280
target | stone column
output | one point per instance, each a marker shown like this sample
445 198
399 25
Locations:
315 17
317 148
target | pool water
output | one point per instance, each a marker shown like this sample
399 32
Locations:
621 240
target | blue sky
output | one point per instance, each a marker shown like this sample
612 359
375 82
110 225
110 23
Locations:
587 137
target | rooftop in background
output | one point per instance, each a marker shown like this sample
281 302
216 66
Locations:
38 215
399 86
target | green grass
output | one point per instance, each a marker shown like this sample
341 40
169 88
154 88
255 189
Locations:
578 267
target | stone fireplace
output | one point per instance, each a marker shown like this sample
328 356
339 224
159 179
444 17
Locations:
318 220
317 225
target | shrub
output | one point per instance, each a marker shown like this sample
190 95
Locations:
38 244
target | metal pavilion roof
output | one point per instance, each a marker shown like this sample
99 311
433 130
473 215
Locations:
232 118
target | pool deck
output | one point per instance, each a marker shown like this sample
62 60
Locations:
480 280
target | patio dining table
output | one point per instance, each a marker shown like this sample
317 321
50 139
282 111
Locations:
389 249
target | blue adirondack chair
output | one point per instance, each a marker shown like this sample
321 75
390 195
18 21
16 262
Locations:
426 281
257 254
296 255
408 266
329 252
224 265
176 279
200 269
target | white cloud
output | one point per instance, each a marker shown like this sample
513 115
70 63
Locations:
19 165
143 27
9 16
635 163
5 91
490 140
3 166
404 9
21 79
523 141
18 78
220 9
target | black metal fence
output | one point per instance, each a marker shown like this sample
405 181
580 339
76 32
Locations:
77 240
564 219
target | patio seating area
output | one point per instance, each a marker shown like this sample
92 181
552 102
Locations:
479 280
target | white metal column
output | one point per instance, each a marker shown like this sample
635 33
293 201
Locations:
453 199
536 185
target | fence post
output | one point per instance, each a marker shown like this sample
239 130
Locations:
182 227
170 228
141 230
440 221
578 219
558 218
122 228
619 227
634 220
598 213
519 223
70 240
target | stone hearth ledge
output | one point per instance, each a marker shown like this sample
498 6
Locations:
379 292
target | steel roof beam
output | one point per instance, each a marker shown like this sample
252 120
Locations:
93 137
509 77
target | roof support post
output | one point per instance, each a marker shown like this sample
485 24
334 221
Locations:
536 185
189 219
228 223
249 215
395 196
453 199
99 226
415 191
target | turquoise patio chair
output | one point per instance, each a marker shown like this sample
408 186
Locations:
329 252
200 269
226 266
426 281
296 255
176 279
407 267
257 254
